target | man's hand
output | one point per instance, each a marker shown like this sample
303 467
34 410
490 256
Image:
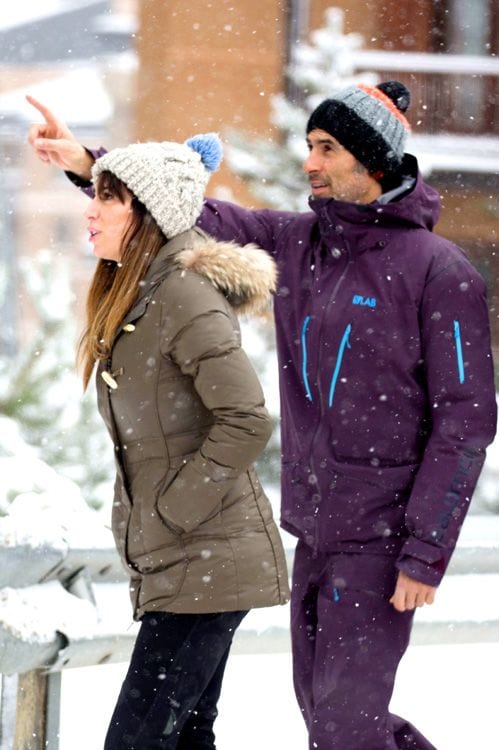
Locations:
410 593
54 143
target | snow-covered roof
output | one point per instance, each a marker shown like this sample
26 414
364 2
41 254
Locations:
30 11
35 33
79 97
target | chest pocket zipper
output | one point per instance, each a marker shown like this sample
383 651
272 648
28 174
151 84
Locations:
304 357
459 351
344 343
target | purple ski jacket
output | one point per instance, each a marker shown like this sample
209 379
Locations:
386 373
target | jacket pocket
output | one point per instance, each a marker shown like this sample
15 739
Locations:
162 574
194 496
360 503
175 466
146 529
299 492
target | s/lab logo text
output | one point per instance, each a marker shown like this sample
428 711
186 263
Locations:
358 299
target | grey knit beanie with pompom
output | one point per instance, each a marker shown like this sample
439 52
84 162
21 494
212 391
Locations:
168 178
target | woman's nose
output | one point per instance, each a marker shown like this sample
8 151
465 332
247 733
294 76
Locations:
91 210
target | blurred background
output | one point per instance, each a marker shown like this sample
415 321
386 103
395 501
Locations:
123 70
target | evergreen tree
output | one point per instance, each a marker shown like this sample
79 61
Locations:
273 170
40 390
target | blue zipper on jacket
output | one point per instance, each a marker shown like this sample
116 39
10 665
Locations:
321 333
304 357
344 342
459 351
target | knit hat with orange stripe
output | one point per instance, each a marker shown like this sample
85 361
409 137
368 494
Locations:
369 122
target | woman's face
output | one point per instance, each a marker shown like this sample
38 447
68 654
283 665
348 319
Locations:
108 221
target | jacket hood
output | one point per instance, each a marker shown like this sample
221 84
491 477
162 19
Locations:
419 207
246 276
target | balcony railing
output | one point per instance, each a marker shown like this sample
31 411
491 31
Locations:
450 93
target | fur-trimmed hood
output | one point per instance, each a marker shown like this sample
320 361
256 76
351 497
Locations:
245 275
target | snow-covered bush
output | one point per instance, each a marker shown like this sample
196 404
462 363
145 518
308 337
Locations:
24 474
41 391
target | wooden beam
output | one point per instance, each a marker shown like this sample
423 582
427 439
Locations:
31 719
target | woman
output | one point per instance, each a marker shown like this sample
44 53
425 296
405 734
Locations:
186 415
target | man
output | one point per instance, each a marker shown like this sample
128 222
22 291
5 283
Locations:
387 400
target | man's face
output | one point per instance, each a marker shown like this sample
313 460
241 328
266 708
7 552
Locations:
333 172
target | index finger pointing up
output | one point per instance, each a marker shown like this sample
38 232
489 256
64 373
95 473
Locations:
44 111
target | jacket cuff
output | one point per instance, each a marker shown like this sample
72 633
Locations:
423 561
80 182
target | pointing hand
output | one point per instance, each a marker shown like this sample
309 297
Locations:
54 143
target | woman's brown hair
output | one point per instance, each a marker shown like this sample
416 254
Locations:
115 286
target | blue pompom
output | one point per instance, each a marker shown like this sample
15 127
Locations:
209 147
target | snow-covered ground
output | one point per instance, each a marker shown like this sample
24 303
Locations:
449 692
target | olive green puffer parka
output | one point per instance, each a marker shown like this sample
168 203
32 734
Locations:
186 413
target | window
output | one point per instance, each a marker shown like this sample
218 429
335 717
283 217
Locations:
466 27
470 27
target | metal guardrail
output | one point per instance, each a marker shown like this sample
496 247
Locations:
76 574
26 565
30 662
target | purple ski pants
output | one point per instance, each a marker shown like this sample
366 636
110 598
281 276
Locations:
347 643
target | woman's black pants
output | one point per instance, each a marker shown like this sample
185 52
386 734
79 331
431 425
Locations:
170 693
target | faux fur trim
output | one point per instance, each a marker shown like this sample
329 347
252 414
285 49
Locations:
246 275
